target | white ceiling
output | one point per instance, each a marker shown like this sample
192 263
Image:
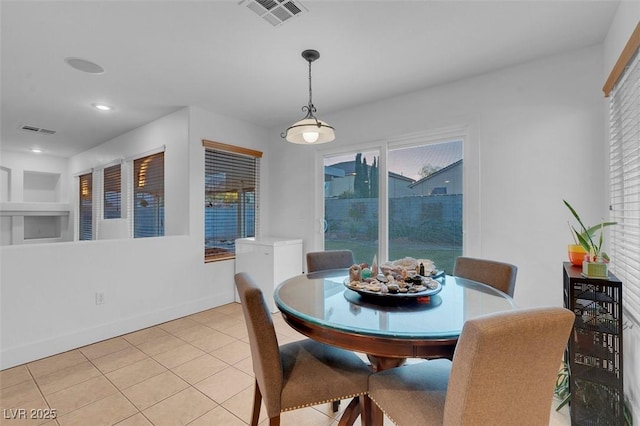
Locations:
218 55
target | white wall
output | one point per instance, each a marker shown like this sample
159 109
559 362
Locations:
47 296
624 22
537 132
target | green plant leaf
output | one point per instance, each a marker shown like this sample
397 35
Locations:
592 230
586 245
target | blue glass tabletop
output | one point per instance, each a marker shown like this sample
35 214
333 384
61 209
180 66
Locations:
323 299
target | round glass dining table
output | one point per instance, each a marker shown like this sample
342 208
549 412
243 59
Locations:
387 328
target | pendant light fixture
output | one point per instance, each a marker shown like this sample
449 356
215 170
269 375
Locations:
309 130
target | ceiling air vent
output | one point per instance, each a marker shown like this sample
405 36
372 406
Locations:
35 129
275 12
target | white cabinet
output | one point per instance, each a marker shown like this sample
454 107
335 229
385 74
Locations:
269 261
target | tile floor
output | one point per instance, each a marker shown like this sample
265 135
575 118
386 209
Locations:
194 371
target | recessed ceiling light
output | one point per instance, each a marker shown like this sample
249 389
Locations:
36 150
84 65
102 107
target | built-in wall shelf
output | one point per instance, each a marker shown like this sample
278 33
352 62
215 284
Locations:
15 208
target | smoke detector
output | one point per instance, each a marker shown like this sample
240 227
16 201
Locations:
275 12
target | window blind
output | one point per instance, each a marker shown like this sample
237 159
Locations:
625 185
112 192
85 207
231 198
148 196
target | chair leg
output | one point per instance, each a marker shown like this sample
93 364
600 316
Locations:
366 408
274 421
257 400
351 413
336 406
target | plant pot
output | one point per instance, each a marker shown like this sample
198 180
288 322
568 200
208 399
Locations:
595 269
576 254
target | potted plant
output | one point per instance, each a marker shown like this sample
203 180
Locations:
595 259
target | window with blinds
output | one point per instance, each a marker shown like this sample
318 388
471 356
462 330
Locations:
625 184
112 192
148 196
231 198
85 207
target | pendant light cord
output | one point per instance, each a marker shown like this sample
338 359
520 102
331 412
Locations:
312 109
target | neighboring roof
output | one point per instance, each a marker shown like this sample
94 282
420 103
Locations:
400 177
434 174
349 168
333 171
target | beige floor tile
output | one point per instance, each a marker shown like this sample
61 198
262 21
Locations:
22 414
13 376
213 341
207 316
116 360
223 324
160 344
241 405
234 309
105 347
56 362
180 408
238 331
246 366
175 357
67 377
141 336
327 409
22 418
200 368
137 420
178 324
283 339
233 352
14 396
135 373
307 416
218 416
155 389
225 384
106 411
196 332
70 399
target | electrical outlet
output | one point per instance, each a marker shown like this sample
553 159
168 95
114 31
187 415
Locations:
99 298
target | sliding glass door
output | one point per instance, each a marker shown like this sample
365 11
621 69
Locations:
351 203
425 202
407 205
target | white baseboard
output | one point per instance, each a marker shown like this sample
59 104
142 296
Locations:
10 357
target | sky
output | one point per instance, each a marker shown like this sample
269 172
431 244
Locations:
409 161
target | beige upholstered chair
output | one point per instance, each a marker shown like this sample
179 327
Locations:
325 260
501 276
330 259
297 374
503 373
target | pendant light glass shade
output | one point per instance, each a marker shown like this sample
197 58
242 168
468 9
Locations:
306 131
309 130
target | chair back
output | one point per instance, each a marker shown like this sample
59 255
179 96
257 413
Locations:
505 367
499 275
330 259
265 352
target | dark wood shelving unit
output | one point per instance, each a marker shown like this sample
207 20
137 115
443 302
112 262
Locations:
594 353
